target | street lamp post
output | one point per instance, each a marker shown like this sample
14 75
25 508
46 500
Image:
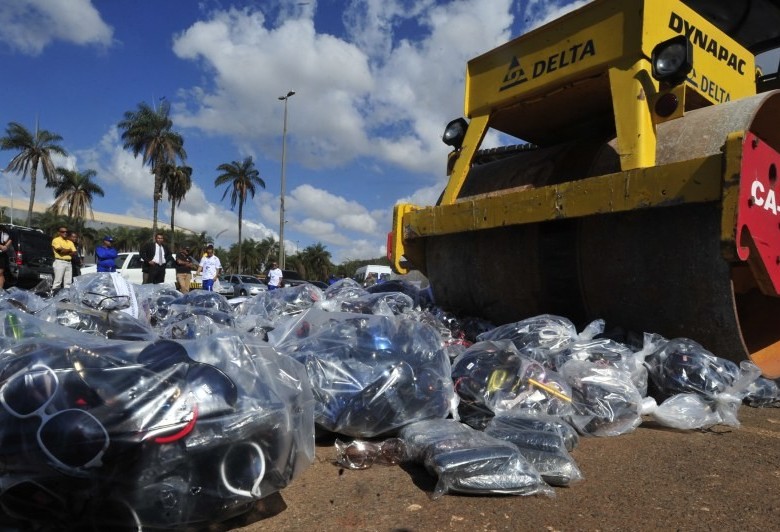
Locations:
284 156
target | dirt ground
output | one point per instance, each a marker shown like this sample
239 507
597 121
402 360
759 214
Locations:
653 479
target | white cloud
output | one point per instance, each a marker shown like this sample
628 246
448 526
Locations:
31 25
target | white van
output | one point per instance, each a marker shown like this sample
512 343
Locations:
364 274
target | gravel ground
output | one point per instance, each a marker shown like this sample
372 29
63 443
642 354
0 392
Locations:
653 479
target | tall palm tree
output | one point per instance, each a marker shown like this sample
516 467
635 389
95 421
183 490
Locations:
35 151
148 132
316 259
177 181
74 193
241 178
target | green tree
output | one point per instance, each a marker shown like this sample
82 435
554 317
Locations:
241 179
177 181
34 152
73 195
148 132
316 260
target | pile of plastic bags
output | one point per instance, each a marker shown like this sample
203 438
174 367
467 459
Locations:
126 405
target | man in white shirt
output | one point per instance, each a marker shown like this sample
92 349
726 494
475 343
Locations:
274 277
210 267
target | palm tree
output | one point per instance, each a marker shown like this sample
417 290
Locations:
241 179
148 132
317 261
177 181
73 195
35 151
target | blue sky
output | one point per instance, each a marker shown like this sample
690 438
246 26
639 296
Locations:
376 81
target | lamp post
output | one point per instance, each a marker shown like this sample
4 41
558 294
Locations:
281 198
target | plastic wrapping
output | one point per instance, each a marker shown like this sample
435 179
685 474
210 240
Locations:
362 454
538 337
544 441
763 392
698 410
139 434
491 377
275 304
683 366
370 374
606 402
110 324
384 304
468 461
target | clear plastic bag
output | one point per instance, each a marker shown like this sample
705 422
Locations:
606 402
492 377
538 337
362 454
697 410
163 440
543 442
370 374
468 461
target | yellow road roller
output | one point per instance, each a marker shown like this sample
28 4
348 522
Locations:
638 183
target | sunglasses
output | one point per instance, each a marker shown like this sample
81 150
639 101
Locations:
72 439
361 454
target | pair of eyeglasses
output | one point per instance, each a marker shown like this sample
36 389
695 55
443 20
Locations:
72 439
361 454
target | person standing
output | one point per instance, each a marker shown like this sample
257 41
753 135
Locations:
275 279
155 256
210 267
75 259
5 254
63 250
185 263
105 255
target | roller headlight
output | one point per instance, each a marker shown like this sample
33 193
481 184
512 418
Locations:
455 132
672 60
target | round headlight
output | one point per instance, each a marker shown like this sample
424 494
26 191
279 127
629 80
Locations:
672 60
455 132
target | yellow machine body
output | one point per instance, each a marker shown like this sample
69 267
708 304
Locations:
623 209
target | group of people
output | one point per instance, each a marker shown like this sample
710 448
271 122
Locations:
156 256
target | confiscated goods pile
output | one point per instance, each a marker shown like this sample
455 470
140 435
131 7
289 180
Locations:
137 406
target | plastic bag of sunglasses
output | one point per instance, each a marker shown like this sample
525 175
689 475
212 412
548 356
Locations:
493 376
102 291
370 374
469 461
683 366
275 304
687 411
538 337
198 323
154 302
362 454
762 393
542 443
200 299
381 304
26 301
113 325
605 400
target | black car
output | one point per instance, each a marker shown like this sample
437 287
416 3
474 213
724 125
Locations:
31 258
292 278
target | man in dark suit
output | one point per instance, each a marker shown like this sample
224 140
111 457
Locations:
155 256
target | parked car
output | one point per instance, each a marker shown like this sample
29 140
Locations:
245 285
31 259
292 278
225 287
129 265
